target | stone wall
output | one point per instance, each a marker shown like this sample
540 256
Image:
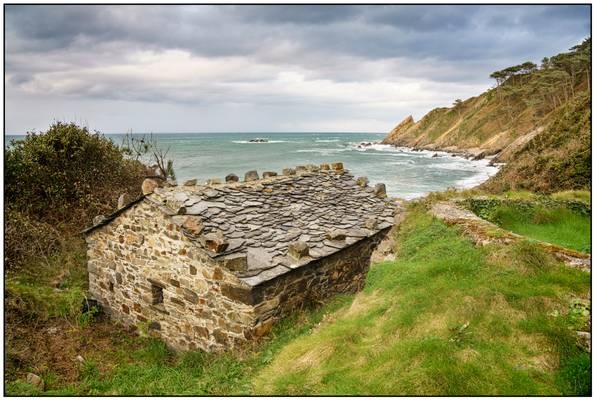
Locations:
142 257
143 250
341 272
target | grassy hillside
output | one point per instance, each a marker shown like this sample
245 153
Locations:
533 119
559 158
447 318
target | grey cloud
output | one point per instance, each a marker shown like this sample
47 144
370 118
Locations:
344 44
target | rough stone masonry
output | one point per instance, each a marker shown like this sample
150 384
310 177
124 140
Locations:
212 266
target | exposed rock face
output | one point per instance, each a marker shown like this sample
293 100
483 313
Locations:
213 266
403 126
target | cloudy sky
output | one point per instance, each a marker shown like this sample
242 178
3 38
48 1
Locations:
263 68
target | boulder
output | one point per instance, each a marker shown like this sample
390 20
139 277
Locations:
149 186
268 174
251 176
190 182
288 171
324 167
231 178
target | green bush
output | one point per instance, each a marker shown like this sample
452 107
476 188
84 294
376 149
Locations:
68 175
55 183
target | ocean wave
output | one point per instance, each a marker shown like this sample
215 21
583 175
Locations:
327 140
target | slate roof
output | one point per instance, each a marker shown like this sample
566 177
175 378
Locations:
259 220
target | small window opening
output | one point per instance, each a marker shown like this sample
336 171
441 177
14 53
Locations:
157 293
111 286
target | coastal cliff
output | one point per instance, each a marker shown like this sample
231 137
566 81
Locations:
536 120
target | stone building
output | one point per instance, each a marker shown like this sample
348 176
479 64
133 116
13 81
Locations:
211 266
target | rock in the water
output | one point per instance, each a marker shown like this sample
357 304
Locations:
380 190
338 166
268 174
122 200
362 181
190 182
251 176
35 380
216 242
298 250
98 219
231 178
149 186
435 155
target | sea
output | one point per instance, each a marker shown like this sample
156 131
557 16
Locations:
406 173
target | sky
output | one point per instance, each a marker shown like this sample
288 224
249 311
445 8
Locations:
221 68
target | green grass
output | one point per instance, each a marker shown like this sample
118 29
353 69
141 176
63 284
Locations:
447 318
144 366
558 225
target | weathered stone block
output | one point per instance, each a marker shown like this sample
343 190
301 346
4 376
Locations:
362 181
337 166
268 174
380 190
190 296
288 171
231 178
193 224
191 182
237 293
216 242
298 250
324 167
336 234
251 176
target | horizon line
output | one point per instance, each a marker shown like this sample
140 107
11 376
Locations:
208 132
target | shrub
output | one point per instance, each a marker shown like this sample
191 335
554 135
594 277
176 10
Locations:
67 175
55 183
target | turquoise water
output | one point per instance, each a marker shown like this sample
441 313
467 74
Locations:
406 173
